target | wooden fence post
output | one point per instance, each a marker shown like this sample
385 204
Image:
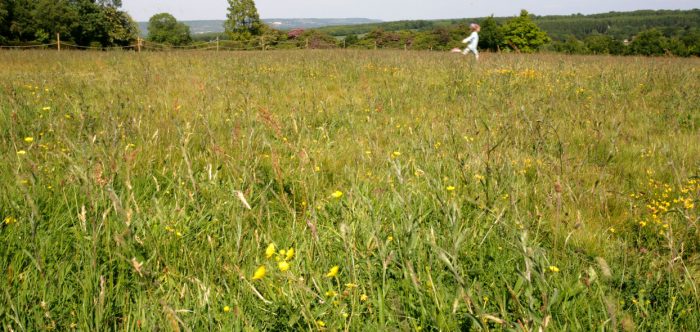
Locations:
217 43
58 41
138 44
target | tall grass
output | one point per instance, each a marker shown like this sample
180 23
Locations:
141 191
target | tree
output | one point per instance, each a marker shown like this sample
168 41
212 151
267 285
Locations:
491 35
164 28
317 40
3 17
83 22
242 20
649 42
55 16
677 47
522 34
110 3
603 44
350 40
571 46
100 23
91 31
691 39
121 28
3 12
19 23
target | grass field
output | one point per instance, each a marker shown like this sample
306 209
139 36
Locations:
343 190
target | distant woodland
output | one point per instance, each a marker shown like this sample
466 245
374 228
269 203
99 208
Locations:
644 32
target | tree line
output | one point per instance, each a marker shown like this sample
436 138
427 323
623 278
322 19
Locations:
83 22
644 32
619 25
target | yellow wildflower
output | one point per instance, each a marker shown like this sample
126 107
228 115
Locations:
47 108
337 194
364 297
290 254
331 293
320 323
350 285
259 273
396 154
227 309
21 152
451 188
9 220
270 250
553 268
332 272
29 139
283 266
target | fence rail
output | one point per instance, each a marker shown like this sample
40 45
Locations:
258 44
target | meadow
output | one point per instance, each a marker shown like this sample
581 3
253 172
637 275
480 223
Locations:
348 190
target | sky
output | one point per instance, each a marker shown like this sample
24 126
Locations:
393 10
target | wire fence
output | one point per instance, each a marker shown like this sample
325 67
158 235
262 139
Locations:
28 46
258 44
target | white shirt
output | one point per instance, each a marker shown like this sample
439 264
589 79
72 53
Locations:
472 40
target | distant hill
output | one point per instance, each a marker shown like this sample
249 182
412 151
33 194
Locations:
620 25
213 26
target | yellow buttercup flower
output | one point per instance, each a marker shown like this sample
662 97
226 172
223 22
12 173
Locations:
451 188
259 273
283 266
21 152
29 139
364 297
337 194
332 272
270 250
553 268
290 254
227 309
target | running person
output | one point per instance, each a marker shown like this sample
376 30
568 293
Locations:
472 41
